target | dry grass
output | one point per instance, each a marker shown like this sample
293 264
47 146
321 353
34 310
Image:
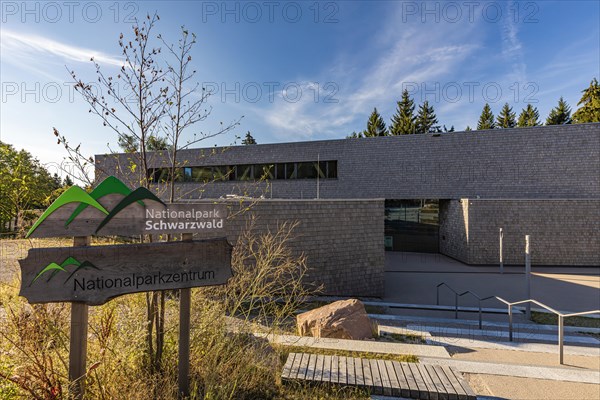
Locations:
224 365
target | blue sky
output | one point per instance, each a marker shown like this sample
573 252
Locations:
321 66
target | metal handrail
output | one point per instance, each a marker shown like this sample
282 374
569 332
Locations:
510 305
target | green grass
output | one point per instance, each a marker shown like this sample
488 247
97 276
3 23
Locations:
284 351
405 338
552 319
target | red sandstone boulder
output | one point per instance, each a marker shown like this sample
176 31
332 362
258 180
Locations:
344 319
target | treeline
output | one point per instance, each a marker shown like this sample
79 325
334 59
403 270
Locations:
406 120
25 184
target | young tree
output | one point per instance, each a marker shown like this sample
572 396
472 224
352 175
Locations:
249 139
426 120
451 129
354 135
486 119
68 181
468 129
506 118
160 105
403 122
590 104
560 115
375 125
530 116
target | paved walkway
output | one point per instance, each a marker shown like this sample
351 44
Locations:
413 277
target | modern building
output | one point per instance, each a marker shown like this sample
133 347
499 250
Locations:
448 193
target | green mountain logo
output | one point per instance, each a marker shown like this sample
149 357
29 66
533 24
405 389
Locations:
54 268
110 185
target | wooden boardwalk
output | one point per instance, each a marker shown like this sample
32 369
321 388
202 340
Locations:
390 378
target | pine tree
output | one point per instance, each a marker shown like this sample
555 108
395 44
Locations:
506 118
486 119
426 119
403 122
590 105
468 129
375 125
560 115
68 181
354 135
451 129
249 139
530 116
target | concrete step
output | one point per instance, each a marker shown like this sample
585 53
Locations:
498 334
564 374
485 324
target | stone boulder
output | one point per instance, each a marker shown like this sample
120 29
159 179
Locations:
344 319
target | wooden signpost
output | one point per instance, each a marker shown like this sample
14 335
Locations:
86 275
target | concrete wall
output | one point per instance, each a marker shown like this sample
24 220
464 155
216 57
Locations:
537 162
562 232
341 239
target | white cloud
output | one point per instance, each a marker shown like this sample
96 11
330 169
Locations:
17 47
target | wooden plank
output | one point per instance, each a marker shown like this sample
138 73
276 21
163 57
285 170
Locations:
367 374
358 368
404 386
351 371
452 395
376 376
95 274
423 392
465 385
327 369
303 367
433 394
385 378
296 366
439 387
393 379
412 383
462 395
310 367
343 371
334 369
287 368
318 377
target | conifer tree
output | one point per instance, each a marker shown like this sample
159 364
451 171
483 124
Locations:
451 129
249 139
530 116
426 120
486 119
468 129
375 125
506 118
403 122
560 115
590 105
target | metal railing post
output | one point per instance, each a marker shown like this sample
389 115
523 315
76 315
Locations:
527 277
455 305
501 253
561 338
480 318
437 296
510 323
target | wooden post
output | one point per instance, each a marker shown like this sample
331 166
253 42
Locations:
78 344
185 300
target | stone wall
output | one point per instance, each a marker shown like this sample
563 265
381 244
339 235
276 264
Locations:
562 232
341 239
538 162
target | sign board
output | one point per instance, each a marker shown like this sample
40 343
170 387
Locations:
114 209
96 274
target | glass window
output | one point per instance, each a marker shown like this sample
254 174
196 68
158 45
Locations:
243 172
321 167
332 169
290 171
280 174
263 171
307 170
187 174
223 173
202 174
